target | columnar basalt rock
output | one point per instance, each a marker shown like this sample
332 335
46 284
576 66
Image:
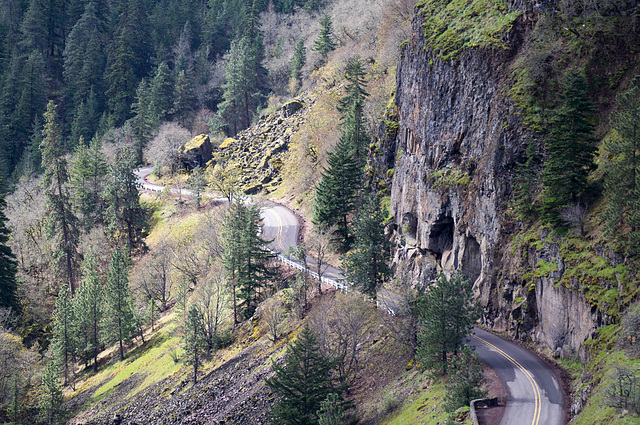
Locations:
458 142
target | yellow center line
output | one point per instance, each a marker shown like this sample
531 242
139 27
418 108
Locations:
536 389
279 232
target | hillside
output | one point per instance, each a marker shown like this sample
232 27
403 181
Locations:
489 143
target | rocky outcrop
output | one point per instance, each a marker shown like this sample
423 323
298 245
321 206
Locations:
260 149
197 152
458 142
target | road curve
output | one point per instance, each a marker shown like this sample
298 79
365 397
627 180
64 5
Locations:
535 394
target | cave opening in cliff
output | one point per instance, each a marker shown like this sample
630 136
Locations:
441 236
471 264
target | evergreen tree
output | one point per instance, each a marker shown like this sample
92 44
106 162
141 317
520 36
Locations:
245 257
332 411
118 321
194 341
50 400
367 264
525 183
622 173
162 90
325 42
146 119
8 265
88 309
197 184
64 332
351 107
124 216
298 60
569 148
62 224
241 90
185 101
85 122
337 191
465 381
120 76
446 315
303 382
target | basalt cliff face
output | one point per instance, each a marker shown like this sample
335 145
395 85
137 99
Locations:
458 142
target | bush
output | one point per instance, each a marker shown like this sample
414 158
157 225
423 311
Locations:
624 391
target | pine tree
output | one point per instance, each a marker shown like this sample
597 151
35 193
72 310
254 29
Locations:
367 264
245 257
124 216
8 265
525 183
622 173
569 148
88 309
146 119
446 315
118 320
298 60
325 42
352 109
50 400
194 341
332 411
64 332
88 170
62 224
197 184
185 101
120 75
336 194
465 381
303 382
162 90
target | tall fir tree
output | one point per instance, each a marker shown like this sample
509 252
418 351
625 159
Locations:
326 39
51 398
337 192
303 382
465 381
124 216
161 92
367 264
351 108
569 148
525 184
62 224
64 333
446 314
298 60
88 308
622 172
194 341
146 119
245 257
8 265
184 100
120 75
118 320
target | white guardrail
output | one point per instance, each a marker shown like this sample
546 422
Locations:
339 284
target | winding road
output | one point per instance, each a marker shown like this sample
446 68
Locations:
535 396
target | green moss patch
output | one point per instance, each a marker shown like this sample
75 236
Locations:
452 26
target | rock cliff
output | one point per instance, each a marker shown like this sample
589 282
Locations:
458 141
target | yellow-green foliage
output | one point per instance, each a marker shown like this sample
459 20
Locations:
426 408
443 179
452 26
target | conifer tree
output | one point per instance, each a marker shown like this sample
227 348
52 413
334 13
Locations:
298 60
197 184
332 411
8 265
245 257
351 107
194 341
367 264
446 315
569 148
162 91
337 192
325 42
124 216
146 119
50 400
118 321
120 75
622 173
88 308
184 103
88 170
62 224
465 380
64 332
525 183
303 382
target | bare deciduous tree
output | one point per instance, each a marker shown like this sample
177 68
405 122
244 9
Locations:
213 301
164 148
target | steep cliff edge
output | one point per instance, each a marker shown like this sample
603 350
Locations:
458 142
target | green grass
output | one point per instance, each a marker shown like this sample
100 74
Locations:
453 26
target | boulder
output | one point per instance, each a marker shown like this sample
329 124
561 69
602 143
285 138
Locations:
197 152
290 108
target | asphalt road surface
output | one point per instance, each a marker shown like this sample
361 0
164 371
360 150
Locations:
534 393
